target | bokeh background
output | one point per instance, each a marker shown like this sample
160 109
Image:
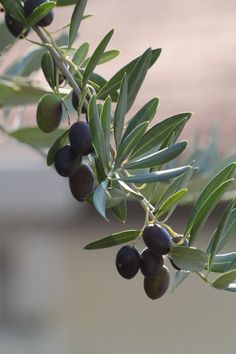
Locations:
56 297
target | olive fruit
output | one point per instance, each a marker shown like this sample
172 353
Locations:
155 287
177 240
14 26
49 113
80 138
75 102
67 162
151 263
157 239
82 182
31 5
128 261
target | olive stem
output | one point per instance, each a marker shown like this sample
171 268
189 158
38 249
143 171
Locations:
59 62
203 277
144 202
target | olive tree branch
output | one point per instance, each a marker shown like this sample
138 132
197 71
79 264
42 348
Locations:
59 62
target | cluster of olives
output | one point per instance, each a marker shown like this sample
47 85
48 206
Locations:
150 261
17 28
68 160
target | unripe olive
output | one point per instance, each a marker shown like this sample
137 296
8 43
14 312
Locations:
49 113
157 239
80 138
67 162
31 5
82 182
75 102
155 287
128 261
151 263
14 26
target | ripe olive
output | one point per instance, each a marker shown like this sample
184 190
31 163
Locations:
128 261
67 162
15 27
49 113
151 263
31 5
80 138
82 182
157 239
155 287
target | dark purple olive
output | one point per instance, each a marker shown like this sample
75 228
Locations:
82 183
67 162
128 261
80 138
151 263
15 27
157 239
155 287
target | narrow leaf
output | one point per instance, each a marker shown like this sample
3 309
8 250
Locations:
219 233
206 208
215 182
106 118
96 57
120 210
100 173
222 263
157 158
35 137
128 189
113 197
59 143
137 77
178 183
158 133
19 92
173 200
145 114
79 57
114 83
121 107
106 57
188 258
157 176
229 228
114 240
28 63
224 280
127 145
48 69
15 8
97 132
180 276
99 199
39 12
76 20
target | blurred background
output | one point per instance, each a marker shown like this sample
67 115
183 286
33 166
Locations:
56 297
